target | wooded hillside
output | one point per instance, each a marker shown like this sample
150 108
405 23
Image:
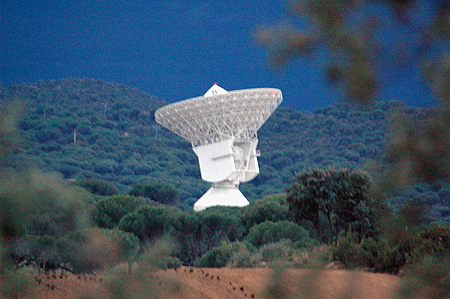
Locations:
86 128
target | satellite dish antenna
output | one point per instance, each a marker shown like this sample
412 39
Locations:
221 127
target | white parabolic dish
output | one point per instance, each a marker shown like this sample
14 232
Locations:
222 128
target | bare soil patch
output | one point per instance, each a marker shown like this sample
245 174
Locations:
254 283
223 283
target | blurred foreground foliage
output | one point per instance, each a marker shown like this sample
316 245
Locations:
31 203
50 224
364 41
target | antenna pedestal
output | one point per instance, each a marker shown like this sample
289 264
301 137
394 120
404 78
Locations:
221 127
221 194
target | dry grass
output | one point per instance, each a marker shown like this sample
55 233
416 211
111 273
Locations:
229 283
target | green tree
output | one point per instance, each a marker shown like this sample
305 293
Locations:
108 211
189 236
98 186
354 207
272 207
158 192
341 195
304 202
149 222
219 224
26 195
127 246
134 223
48 134
199 232
38 251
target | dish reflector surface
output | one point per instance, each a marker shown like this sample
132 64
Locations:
218 116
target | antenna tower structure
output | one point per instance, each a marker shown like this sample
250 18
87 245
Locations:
222 128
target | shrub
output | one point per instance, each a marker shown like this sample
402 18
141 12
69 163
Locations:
439 237
375 255
434 240
382 256
244 258
221 255
168 262
305 242
389 255
278 251
349 252
270 232
87 250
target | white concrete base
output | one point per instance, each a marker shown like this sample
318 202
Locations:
221 196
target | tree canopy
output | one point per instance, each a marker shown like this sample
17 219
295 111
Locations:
342 196
98 186
159 192
109 210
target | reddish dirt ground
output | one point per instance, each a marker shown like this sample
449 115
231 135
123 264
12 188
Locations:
313 284
226 283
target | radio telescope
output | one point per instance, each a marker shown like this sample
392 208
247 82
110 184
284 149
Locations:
221 127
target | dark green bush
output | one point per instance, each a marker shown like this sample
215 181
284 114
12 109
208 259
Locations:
74 250
349 252
273 252
87 250
38 251
271 232
220 223
168 262
390 255
221 255
379 256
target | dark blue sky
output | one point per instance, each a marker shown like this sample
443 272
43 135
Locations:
172 49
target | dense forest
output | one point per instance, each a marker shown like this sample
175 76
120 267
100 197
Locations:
86 128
